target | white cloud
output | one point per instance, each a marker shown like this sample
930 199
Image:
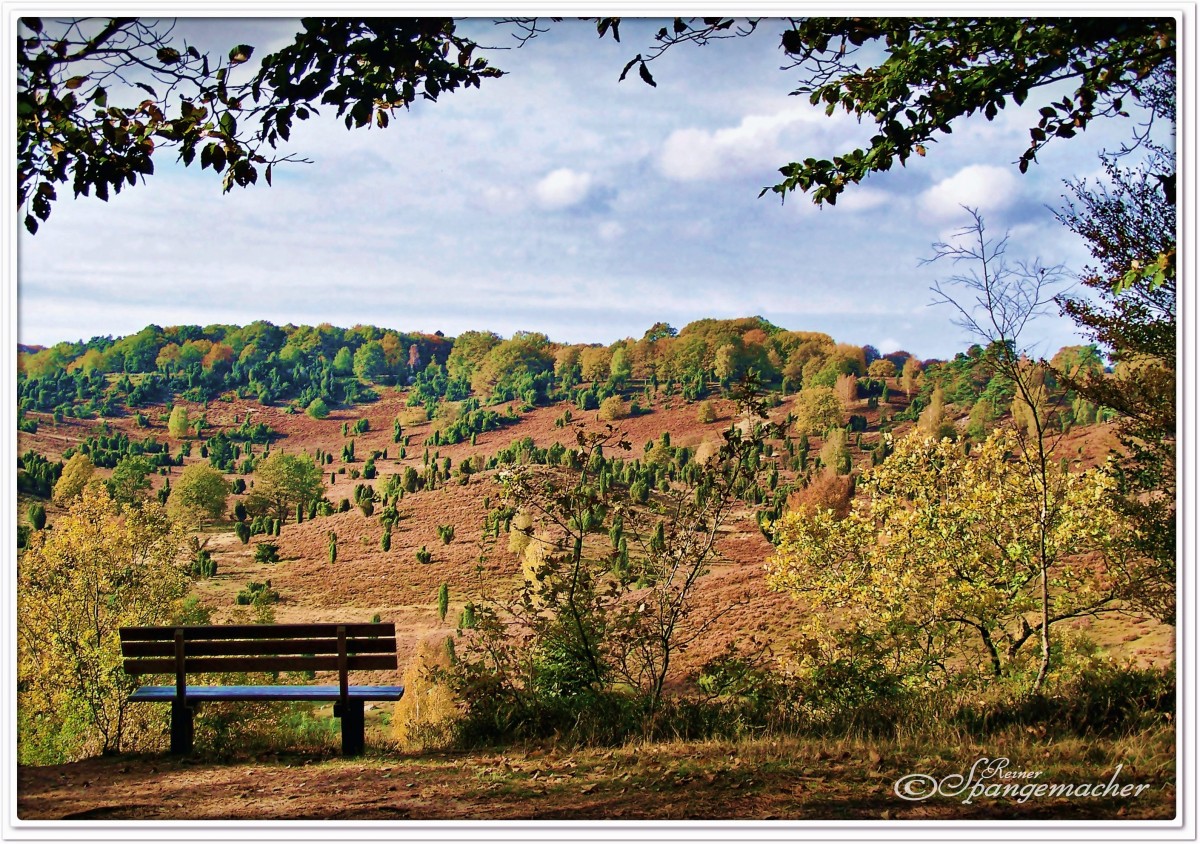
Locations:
982 186
858 198
503 198
563 188
611 230
695 154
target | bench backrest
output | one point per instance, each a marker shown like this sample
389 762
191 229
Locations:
259 647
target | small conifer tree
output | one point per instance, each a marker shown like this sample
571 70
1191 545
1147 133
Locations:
443 600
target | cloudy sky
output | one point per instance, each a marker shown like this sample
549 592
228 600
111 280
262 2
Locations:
558 199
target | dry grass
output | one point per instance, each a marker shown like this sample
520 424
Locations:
776 779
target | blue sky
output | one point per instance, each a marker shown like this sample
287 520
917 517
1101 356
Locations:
557 199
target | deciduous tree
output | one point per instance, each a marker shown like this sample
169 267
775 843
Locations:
130 479
287 480
199 495
370 364
178 423
613 408
102 567
76 473
1129 224
997 301
909 376
882 368
942 561
835 453
817 409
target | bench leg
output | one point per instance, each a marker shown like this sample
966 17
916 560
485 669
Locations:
182 728
353 724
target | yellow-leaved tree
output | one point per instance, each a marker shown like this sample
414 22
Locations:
77 472
426 715
937 571
103 566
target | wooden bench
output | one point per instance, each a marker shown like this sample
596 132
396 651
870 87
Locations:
183 651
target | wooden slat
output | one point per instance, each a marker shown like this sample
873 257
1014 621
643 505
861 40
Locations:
197 665
203 693
180 660
257 631
249 647
343 659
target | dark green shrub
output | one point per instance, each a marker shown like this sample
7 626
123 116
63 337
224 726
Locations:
258 594
37 516
317 409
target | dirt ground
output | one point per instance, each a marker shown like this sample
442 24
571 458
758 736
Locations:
763 780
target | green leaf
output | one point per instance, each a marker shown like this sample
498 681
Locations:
74 82
241 53
361 113
644 72
628 65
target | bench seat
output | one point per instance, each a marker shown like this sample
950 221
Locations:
199 694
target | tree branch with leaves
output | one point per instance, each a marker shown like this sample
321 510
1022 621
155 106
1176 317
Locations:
97 99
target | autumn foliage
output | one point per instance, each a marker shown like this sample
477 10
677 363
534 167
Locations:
939 564
103 566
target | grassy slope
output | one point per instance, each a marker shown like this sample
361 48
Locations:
792 778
